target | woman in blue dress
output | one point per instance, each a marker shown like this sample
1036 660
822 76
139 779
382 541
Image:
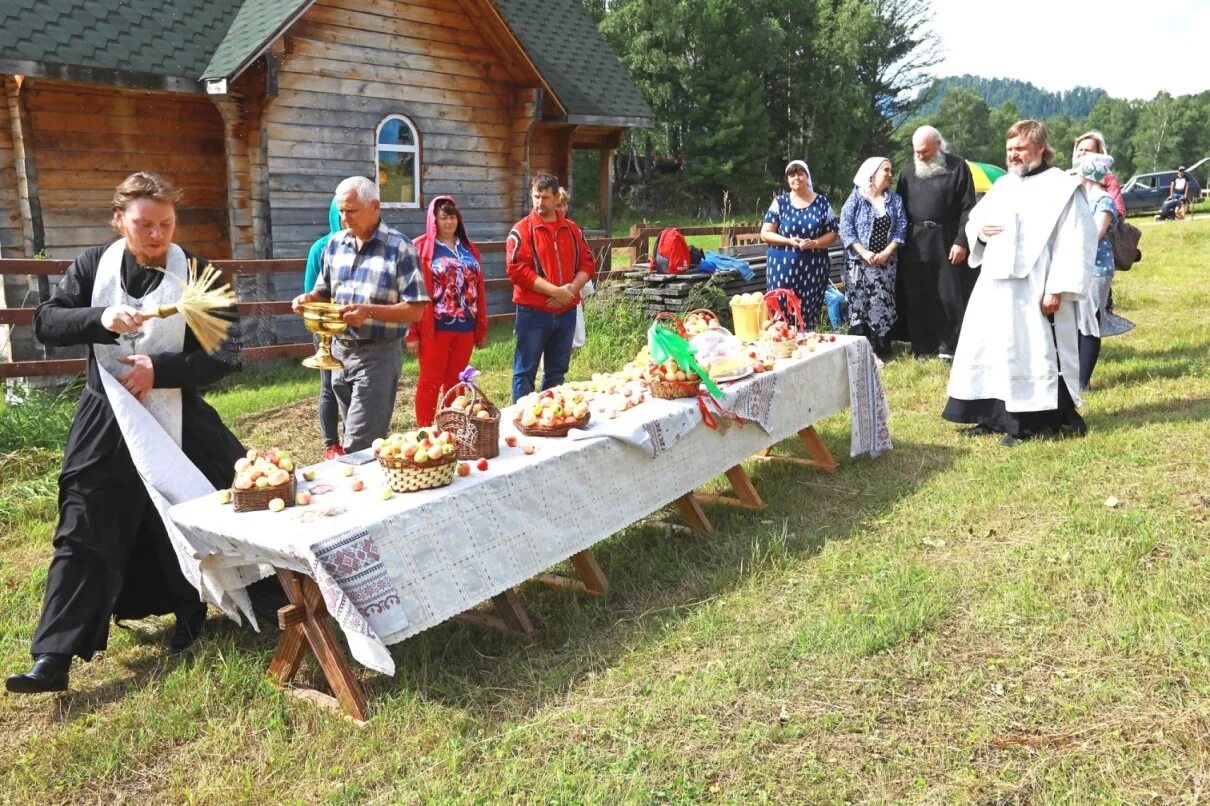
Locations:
799 227
873 225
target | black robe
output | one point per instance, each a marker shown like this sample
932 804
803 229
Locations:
930 292
112 556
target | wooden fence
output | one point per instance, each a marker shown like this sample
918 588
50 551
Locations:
637 247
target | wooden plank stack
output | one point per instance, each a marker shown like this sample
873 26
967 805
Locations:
672 292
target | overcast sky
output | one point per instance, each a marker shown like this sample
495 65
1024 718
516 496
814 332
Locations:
1057 54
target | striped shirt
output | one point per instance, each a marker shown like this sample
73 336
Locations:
386 271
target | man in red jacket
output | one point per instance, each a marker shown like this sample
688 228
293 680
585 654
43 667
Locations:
548 263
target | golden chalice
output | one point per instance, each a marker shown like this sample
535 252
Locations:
323 319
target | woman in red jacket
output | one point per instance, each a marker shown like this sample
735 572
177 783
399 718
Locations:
456 322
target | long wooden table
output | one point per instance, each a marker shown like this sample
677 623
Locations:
521 496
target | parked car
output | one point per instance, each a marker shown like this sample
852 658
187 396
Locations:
1148 191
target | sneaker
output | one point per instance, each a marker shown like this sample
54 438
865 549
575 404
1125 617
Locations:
333 451
946 356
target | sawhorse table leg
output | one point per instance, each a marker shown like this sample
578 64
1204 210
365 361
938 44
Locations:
591 580
821 457
305 623
509 617
746 496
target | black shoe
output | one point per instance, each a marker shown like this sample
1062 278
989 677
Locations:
1009 441
189 628
48 674
977 431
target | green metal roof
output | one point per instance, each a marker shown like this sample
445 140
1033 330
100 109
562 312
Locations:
103 37
255 27
576 61
176 44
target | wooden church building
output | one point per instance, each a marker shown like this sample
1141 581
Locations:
258 108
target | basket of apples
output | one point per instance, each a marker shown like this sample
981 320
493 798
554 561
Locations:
473 419
551 413
262 477
780 333
670 381
417 460
699 321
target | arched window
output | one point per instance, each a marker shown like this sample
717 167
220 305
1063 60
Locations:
397 156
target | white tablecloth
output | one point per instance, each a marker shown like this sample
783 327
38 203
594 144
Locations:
389 569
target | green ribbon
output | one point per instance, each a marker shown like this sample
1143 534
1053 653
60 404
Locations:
663 344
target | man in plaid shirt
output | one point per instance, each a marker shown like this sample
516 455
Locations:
374 272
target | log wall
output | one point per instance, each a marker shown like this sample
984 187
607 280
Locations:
87 139
347 65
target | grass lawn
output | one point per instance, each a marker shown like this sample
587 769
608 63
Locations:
951 623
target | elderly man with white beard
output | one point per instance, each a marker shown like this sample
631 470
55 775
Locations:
934 281
1016 371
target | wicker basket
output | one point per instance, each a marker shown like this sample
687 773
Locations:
678 326
477 438
779 349
559 430
791 313
259 497
672 390
405 476
709 317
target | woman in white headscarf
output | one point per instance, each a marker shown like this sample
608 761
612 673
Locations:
798 227
873 226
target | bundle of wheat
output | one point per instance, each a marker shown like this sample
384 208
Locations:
202 303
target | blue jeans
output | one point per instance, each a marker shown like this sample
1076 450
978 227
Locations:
545 337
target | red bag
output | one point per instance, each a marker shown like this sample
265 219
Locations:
671 252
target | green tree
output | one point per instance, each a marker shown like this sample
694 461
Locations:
965 122
1000 120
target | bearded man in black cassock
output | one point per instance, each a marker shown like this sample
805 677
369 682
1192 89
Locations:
934 281
113 557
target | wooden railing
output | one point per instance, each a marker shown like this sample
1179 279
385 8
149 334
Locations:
637 246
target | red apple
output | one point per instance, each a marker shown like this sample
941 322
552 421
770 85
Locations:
511 440
481 464
357 486
464 469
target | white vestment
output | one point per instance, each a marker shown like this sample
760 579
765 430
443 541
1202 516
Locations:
1008 350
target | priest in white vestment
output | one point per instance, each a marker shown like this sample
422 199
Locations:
1016 369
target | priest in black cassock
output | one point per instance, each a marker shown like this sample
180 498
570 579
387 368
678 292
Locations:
113 558
934 281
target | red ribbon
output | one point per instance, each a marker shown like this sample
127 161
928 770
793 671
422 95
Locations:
709 419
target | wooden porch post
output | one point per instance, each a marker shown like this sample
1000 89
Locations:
28 198
605 203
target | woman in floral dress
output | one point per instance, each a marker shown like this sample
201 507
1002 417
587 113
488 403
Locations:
799 227
456 321
873 225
